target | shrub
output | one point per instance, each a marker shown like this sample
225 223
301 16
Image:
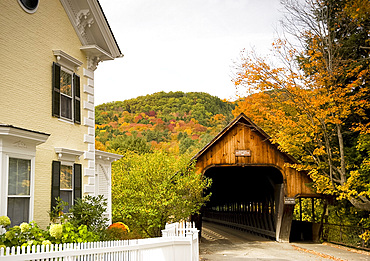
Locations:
117 231
80 234
150 190
56 214
25 234
56 230
84 223
120 231
89 211
30 234
4 221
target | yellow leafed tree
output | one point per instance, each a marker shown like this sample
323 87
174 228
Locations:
315 105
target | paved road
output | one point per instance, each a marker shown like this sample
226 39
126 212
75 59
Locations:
220 243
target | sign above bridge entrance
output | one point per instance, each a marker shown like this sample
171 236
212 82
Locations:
289 201
242 153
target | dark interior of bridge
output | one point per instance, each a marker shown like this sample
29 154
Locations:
244 197
242 184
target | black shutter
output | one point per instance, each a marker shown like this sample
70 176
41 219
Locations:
77 99
56 90
77 181
55 183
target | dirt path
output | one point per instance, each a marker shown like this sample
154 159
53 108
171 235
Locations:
222 243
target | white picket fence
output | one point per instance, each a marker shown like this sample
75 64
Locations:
179 242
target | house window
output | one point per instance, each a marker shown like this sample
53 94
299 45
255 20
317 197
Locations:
30 6
66 188
17 171
19 193
66 183
66 95
66 98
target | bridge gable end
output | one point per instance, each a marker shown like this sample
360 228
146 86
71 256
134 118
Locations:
243 143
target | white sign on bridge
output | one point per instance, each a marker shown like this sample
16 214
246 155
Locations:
289 201
242 153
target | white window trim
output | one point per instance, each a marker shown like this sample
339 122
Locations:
68 156
70 65
32 180
66 120
28 10
67 61
17 143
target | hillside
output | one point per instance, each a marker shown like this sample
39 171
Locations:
176 121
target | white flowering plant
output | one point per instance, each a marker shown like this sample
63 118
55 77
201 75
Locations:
28 234
23 235
84 223
4 221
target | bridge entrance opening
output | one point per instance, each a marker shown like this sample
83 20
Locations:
254 188
245 197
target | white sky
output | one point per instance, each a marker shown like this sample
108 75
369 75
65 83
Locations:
181 45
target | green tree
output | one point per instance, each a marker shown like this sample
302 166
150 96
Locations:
150 190
200 106
186 145
125 143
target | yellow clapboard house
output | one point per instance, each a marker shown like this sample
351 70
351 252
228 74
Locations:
49 52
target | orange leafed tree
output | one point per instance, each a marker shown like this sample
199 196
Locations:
317 99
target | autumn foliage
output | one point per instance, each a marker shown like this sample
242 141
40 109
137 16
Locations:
315 103
176 122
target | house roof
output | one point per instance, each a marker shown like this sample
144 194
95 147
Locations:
110 29
103 155
91 25
8 126
242 118
22 133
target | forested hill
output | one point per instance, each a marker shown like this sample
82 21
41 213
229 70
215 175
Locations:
176 121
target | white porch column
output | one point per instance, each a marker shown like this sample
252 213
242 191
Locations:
89 121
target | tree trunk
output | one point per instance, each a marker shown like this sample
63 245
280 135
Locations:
343 177
362 203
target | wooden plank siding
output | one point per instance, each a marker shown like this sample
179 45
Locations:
243 134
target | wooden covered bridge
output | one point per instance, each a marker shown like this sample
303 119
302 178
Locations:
253 188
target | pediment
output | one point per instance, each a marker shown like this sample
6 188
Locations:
92 28
242 119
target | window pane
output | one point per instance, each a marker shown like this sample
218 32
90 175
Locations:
65 106
67 197
66 83
18 210
19 176
65 177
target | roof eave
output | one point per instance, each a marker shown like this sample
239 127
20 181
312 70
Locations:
92 28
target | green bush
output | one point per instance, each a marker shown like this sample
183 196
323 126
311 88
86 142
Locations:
24 234
84 223
73 234
89 211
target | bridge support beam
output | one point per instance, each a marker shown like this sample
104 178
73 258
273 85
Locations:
284 216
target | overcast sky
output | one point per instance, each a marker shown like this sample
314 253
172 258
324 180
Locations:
181 45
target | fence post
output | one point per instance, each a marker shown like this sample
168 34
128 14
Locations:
362 240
